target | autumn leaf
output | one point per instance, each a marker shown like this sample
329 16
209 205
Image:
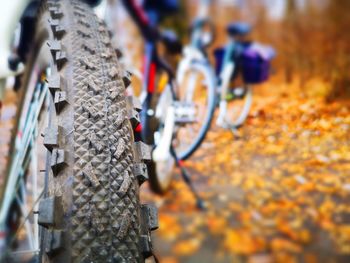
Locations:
169 227
281 244
187 247
307 187
216 224
241 241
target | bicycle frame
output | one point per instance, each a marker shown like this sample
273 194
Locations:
152 65
228 69
224 78
195 51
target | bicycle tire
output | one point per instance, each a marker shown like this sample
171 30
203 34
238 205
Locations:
206 70
246 108
160 176
156 186
160 184
235 123
150 125
91 210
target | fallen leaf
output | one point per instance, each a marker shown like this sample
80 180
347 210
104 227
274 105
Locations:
281 244
187 247
241 241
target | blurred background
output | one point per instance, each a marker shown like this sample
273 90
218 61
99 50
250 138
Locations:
279 189
310 36
278 192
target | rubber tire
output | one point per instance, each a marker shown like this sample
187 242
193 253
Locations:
96 211
208 71
245 109
150 127
154 183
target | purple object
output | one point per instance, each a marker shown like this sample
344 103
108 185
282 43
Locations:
255 61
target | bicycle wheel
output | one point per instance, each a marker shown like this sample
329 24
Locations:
235 109
195 109
86 201
159 132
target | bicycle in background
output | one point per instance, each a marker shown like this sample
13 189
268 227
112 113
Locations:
197 85
159 94
179 106
201 88
161 116
250 62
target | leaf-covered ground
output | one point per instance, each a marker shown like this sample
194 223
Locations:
278 192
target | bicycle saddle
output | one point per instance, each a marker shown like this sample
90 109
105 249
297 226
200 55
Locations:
238 28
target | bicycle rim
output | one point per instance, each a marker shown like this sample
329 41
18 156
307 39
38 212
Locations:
237 109
198 89
28 165
161 171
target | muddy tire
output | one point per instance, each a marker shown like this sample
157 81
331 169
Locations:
90 211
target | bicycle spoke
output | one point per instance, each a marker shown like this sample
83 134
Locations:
27 225
35 195
29 188
25 218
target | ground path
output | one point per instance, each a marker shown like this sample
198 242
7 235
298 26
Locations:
278 193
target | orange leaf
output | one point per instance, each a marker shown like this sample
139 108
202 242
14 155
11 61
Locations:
169 228
281 244
216 224
242 242
187 247
307 187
